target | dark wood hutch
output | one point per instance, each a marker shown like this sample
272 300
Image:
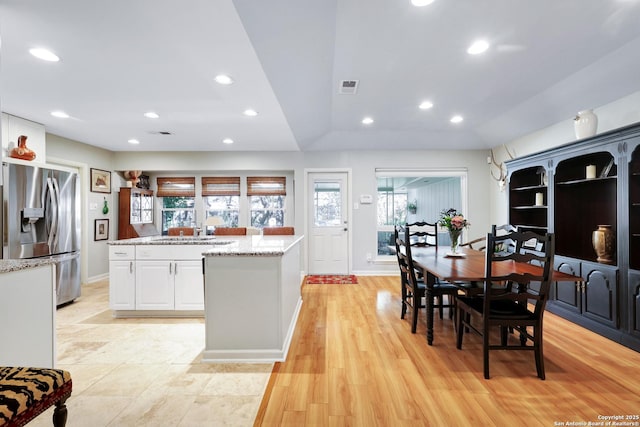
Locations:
573 203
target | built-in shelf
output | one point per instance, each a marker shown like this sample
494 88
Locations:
573 207
585 180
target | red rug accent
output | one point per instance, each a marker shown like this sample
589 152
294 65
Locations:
332 279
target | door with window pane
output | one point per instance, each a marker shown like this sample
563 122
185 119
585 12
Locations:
328 223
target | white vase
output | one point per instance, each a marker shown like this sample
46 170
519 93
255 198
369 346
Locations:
585 124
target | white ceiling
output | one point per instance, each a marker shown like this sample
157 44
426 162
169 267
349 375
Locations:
548 59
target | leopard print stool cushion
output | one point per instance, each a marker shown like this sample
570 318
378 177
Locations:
27 392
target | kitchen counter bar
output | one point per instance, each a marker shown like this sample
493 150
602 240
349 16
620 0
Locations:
252 298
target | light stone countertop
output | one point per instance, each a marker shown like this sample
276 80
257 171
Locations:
256 245
8 265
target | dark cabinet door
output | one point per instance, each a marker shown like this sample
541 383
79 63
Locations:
568 294
634 298
600 293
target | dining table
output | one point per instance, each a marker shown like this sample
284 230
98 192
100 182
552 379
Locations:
467 270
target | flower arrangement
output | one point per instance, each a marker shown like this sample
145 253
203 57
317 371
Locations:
452 220
412 207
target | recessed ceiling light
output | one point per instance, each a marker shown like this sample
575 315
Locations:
223 79
478 46
425 105
367 121
133 141
60 114
420 3
250 112
227 141
44 54
151 115
456 119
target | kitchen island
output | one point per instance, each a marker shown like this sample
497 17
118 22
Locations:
158 276
252 298
28 312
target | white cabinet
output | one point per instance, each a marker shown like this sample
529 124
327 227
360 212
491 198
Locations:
169 285
189 285
155 278
169 277
154 285
122 277
13 127
27 317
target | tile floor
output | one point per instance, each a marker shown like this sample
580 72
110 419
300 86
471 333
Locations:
147 372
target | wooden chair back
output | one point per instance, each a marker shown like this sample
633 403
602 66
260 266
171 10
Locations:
175 231
421 234
230 231
278 231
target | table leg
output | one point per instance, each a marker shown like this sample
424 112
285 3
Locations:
430 281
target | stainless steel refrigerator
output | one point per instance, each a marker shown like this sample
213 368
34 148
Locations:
41 218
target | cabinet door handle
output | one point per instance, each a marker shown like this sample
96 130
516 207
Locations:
175 268
170 268
119 253
131 267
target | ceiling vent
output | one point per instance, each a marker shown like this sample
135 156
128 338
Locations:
348 87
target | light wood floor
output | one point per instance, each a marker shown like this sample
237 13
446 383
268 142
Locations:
354 362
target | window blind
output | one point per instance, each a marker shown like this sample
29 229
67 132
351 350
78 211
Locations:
266 186
176 187
221 186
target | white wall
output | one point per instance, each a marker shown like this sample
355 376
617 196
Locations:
622 112
362 164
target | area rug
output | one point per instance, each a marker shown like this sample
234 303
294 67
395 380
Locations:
331 279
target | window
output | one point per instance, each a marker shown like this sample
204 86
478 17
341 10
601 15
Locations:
178 200
266 200
432 190
221 197
327 201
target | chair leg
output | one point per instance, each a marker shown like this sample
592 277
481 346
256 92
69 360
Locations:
404 302
440 303
485 352
460 328
414 312
537 342
60 414
504 330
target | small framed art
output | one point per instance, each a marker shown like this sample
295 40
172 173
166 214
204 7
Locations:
101 231
100 181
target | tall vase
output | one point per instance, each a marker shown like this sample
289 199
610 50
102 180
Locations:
603 241
585 124
455 239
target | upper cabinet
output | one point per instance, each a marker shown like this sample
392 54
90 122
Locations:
13 127
135 213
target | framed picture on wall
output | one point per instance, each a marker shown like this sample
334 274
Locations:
100 181
101 230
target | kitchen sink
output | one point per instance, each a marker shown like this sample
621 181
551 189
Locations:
211 240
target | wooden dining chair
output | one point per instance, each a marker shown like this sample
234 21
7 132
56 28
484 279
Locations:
406 289
180 231
278 231
425 234
413 290
508 301
230 231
